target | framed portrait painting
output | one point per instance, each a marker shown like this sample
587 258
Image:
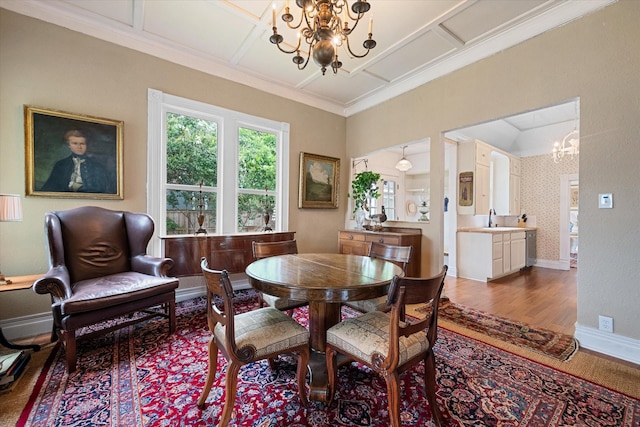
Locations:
319 179
72 155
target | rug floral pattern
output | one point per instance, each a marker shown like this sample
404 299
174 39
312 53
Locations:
140 376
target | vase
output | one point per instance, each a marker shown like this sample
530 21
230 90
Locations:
359 216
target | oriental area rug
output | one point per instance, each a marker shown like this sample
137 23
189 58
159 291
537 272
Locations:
141 376
553 344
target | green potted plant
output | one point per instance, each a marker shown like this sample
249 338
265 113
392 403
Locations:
363 187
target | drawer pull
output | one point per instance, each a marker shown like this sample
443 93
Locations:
350 236
381 240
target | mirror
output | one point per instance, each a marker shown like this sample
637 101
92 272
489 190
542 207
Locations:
404 194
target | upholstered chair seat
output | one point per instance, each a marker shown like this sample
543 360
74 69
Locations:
367 336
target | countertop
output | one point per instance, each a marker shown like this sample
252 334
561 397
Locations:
494 229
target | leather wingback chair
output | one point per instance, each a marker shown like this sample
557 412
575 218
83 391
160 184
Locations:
99 270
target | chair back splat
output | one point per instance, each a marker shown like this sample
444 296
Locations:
245 338
389 345
400 255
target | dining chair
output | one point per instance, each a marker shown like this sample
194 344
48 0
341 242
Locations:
390 346
246 338
400 255
268 249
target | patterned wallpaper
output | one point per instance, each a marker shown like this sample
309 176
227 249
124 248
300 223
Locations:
540 197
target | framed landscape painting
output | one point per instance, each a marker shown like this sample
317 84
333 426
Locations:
72 155
319 179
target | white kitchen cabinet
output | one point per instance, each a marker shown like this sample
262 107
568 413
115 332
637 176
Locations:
514 195
487 254
506 252
518 250
483 188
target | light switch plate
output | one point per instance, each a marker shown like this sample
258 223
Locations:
605 201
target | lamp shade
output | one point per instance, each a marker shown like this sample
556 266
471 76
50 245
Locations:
10 207
403 164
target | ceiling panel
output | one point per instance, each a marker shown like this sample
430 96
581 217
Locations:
484 17
415 54
174 22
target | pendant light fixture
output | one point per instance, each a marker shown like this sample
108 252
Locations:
403 164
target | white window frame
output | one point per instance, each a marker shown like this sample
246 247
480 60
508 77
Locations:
159 104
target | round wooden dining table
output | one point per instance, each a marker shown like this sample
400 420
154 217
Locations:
325 280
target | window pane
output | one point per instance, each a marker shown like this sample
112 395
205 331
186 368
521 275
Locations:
257 160
251 212
183 211
389 199
192 150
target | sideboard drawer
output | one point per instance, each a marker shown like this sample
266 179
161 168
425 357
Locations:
386 239
345 235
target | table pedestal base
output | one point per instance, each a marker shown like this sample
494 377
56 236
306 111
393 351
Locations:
319 385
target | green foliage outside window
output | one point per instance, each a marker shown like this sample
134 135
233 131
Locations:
192 157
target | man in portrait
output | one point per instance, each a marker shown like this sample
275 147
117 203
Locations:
78 172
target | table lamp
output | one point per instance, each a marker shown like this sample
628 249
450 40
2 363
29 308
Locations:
10 210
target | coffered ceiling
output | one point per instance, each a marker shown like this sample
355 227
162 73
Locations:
417 41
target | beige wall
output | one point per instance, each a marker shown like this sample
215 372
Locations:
48 66
594 58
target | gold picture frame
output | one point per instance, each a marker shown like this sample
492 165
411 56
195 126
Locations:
319 181
465 192
72 155
574 197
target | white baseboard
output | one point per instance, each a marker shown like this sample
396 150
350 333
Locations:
555 265
608 344
41 323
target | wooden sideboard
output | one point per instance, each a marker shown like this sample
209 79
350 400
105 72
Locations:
231 252
357 242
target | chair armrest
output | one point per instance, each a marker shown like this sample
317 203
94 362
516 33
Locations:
153 266
55 282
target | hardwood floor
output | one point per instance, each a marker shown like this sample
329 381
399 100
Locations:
540 297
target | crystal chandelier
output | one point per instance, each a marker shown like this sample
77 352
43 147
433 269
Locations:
324 27
570 146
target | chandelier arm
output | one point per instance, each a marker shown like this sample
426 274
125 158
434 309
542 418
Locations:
288 51
355 17
302 17
355 54
307 61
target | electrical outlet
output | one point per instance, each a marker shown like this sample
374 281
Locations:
605 323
